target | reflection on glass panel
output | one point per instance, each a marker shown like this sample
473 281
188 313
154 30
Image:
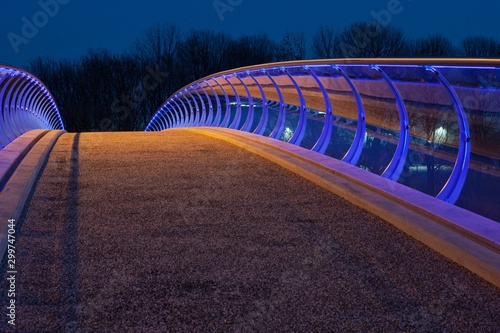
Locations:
202 106
343 132
291 122
314 101
382 119
244 115
291 99
481 192
378 150
427 169
257 114
273 114
224 108
434 127
479 92
233 104
344 110
256 100
210 121
313 130
245 108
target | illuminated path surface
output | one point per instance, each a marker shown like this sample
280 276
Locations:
175 231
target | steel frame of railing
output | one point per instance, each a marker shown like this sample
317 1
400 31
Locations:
25 104
219 88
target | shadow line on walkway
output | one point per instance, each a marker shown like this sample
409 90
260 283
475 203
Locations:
69 260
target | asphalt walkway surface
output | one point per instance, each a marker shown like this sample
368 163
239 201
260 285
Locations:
178 232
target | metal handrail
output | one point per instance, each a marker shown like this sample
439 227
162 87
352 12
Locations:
25 104
425 94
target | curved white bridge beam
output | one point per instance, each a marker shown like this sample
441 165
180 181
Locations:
25 104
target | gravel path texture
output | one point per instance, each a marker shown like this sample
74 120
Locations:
178 232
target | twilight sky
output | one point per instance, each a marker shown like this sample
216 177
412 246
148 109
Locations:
76 26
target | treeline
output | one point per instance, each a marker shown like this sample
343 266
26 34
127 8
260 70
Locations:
103 91
372 40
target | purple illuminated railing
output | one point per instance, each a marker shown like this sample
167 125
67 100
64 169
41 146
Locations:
426 123
25 104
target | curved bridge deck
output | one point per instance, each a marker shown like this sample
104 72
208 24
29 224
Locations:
175 231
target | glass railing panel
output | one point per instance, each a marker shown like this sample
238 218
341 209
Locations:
273 100
314 106
236 89
479 92
255 102
434 128
273 110
344 110
291 99
381 114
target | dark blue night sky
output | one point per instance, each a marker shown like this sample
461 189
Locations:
115 25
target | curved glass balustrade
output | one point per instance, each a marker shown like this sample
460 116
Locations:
430 124
26 104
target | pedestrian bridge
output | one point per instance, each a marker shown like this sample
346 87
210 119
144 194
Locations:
430 124
238 208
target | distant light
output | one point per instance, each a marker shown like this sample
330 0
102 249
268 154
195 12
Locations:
440 135
287 134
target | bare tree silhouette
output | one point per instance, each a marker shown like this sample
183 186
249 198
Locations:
202 52
434 46
291 47
155 54
370 40
480 47
325 43
251 50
